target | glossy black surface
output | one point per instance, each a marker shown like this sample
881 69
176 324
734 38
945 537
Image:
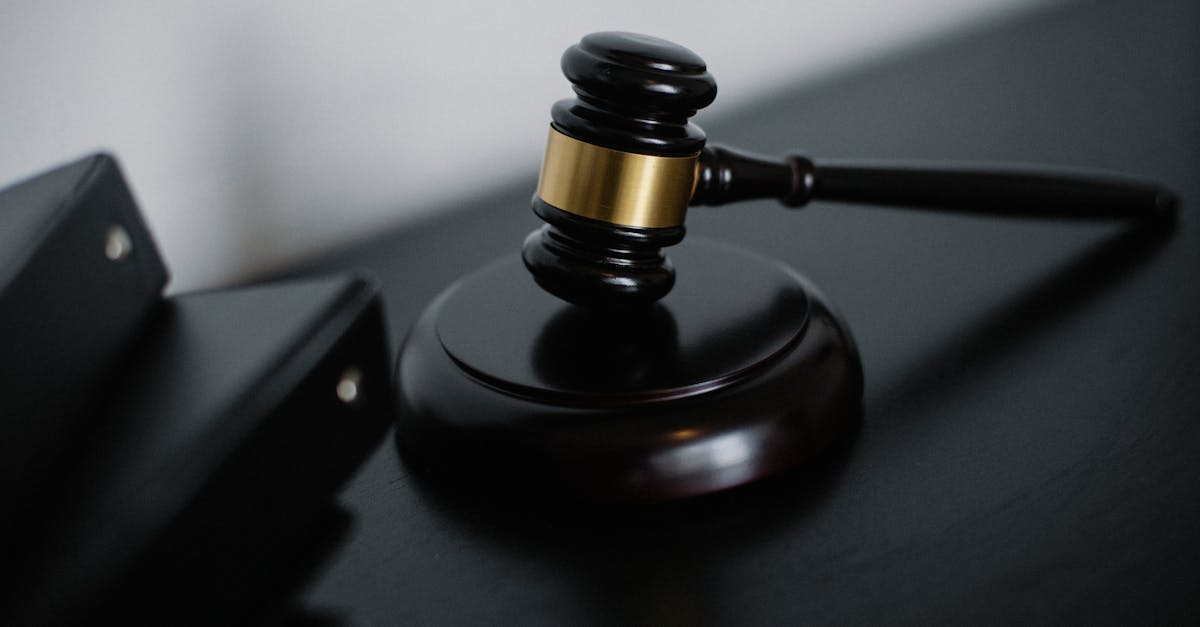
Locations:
1027 450
597 264
741 373
635 94
734 312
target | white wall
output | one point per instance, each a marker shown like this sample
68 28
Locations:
258 133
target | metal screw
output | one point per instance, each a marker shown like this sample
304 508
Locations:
349 386
117 243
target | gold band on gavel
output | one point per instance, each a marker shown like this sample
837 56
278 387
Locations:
618 187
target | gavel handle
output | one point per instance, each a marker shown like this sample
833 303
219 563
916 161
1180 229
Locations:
726 175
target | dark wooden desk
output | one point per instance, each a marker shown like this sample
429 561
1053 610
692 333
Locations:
1030 448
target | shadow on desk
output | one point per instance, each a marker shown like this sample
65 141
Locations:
1033 313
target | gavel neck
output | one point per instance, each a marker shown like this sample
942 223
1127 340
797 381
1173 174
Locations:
725 175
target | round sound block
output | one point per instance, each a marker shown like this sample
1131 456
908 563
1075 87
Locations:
742 371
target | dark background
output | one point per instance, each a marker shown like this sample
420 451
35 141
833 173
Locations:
1029 442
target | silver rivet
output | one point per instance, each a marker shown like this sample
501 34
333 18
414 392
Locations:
117 243
349 386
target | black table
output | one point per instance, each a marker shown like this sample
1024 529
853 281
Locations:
1029 449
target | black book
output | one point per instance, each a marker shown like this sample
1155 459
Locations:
233 423
79 274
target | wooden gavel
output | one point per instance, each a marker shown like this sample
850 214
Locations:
623 164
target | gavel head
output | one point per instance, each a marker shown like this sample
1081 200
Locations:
619 170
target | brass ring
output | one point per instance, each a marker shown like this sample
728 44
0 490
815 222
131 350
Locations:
624 188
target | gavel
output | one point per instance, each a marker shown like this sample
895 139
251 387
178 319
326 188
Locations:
623 164
583 369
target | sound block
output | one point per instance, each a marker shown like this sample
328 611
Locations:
742 371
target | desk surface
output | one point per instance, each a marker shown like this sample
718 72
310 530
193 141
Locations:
1029 441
